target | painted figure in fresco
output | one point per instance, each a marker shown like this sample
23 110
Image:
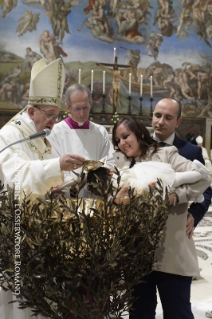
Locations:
207 108
25 96
128 25
168 83
114 5
199 11
141 17
199 75
27 22
15 72
10 4
49 47
99 20
154 42
200 14
30 58
11 86
181 78
156 70
134 60
203 79
61 10
208 29
164 4
191 70
185 18
47 5
8 92
165 20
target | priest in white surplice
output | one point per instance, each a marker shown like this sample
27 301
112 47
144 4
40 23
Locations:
77 134
31 164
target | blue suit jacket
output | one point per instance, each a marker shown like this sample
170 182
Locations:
192 152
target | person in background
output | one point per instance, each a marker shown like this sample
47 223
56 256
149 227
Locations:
205 155
30 165
78 134
175 258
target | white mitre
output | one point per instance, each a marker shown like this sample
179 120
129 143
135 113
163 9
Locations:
199 139
47 83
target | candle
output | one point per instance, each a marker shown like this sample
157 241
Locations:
79 76
114 54
151 86
141 85
130 84
103 82
91 80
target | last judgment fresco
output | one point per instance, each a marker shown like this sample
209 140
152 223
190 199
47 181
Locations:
159 48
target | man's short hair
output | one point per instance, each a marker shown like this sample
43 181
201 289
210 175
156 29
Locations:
178 102
76 88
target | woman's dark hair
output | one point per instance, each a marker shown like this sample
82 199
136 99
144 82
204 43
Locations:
100 176
140 131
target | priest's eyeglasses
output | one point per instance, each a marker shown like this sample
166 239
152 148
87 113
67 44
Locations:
49 115
78 109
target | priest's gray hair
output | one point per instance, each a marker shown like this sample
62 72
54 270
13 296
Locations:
76 88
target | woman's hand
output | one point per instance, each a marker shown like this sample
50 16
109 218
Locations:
173 199
122 196
152 185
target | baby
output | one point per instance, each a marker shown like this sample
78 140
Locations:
145 174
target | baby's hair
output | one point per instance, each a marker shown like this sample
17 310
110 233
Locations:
100 176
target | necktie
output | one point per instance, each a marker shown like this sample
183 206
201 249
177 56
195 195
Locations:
161 144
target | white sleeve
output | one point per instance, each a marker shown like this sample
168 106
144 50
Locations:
34 177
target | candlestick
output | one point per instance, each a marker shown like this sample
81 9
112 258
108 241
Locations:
130 84
141 85
79 76
103 103
151 100
151 85
129 107
103 82
140 109
91 80
114 54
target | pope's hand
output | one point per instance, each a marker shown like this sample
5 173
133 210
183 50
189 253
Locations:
70 162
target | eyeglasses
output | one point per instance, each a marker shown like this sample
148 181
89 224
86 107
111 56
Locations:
49 115
78 109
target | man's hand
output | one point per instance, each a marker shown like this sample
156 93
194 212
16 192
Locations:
190 225
70 162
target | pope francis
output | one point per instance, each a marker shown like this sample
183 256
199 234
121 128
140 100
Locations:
31 164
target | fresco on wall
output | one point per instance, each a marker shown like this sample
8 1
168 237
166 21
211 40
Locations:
170 40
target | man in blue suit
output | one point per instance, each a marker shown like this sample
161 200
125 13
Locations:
174 289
